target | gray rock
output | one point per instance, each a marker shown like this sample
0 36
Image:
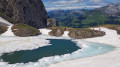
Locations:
117 29
31 12
57 32
3 24
52 22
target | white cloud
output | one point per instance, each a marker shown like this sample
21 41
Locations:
68 2
96 1
74 4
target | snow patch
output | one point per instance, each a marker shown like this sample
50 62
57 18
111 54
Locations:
10 44
45 31
8 32
4 21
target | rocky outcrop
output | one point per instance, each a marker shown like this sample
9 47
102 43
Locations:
117 29
52 22
56 32
84 33
31 12
23 30
3 29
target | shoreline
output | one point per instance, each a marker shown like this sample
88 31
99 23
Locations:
109 59
36 39
56 59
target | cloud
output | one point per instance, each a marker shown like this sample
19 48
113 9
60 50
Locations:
68 2
74 4
74 7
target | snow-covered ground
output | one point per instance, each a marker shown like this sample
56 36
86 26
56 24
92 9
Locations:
4 21
46 32
10 43
110 59
8 32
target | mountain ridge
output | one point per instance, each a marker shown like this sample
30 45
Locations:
109 14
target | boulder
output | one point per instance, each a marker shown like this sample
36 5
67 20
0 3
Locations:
52 22
57 32
85 33
117 29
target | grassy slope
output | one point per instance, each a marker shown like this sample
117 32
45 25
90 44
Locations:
24 30
110 26
94 18
24 26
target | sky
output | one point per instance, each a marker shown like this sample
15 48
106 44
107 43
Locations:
75 4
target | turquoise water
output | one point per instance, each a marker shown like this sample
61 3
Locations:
58 47
94 49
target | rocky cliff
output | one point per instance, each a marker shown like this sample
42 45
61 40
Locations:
31 12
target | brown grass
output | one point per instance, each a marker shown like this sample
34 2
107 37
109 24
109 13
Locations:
3 29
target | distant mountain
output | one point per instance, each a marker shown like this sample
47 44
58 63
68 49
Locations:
69 18
111 9
109 14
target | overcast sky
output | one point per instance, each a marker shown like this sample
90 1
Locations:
75 4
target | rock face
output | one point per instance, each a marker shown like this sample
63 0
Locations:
57 32
31 12
81 33
52 22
